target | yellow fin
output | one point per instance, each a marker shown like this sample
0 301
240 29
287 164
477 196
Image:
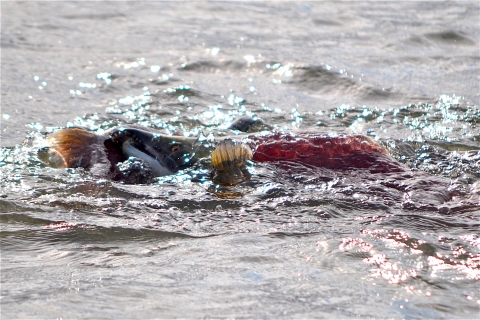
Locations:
229 160
230 155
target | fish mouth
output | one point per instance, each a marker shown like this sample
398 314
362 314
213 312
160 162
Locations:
164 154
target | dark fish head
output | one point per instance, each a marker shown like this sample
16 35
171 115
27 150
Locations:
165 154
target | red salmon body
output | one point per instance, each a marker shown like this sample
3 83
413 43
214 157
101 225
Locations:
335 152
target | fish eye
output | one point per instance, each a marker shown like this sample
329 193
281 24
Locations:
175 147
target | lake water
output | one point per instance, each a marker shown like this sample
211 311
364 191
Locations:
295 242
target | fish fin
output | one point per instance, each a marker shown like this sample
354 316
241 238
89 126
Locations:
229 161
71 148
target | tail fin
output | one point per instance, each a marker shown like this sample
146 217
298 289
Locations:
70 148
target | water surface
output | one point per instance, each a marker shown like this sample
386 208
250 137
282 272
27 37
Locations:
295 241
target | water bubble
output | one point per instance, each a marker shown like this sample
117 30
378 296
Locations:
249 58
155 68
